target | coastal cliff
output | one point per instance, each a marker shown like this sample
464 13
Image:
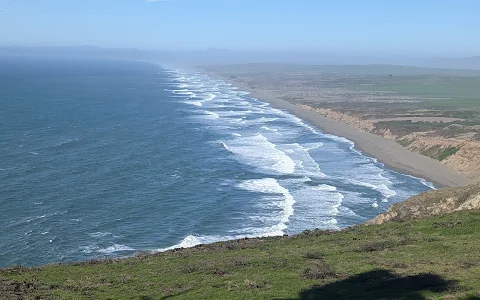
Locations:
427 134
432 203
459 154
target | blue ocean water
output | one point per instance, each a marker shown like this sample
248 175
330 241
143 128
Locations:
108 158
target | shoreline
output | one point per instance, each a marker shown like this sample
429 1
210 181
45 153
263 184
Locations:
387 152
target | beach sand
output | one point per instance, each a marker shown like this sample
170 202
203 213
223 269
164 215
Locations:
385 151
388 152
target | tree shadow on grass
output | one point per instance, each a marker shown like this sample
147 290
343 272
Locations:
379 284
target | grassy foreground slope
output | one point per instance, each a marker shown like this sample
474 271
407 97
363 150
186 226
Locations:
434 257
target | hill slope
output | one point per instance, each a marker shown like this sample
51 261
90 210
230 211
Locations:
432 203
423 258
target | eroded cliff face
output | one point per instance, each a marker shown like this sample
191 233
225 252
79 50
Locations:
435 202
466 160
461 155
353 121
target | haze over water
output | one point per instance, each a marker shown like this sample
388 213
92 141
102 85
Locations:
108 158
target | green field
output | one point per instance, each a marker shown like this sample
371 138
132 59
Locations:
434 88
453 103
458 87
340 70
436 257
435 91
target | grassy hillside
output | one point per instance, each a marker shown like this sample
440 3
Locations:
435 257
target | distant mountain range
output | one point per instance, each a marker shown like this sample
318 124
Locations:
224 56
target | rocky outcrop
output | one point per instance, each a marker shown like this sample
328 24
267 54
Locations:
435 202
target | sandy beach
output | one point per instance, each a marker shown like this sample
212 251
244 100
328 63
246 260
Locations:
386 151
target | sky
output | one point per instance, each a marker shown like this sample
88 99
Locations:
437 27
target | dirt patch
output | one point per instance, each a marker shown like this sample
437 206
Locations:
319 270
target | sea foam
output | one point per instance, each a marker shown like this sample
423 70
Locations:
258 152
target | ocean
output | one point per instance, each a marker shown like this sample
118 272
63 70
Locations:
107 158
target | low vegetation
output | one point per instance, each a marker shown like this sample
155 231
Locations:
424 248
405 142
431 203
440 153
375 92
434 112
435 257
446 153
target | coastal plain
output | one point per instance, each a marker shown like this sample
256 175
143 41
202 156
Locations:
420 121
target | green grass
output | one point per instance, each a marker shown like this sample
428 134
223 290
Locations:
432 151
446 153
431 86
439 153
438 92
453 103
435 257
406 142
340 70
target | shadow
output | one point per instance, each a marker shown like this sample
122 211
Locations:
175 295
379 284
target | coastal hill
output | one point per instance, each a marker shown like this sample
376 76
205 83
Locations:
432 112
428 250
431 203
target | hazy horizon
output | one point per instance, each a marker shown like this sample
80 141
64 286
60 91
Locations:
410 29
93 47
228 57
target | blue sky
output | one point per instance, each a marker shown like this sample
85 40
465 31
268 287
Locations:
401 27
